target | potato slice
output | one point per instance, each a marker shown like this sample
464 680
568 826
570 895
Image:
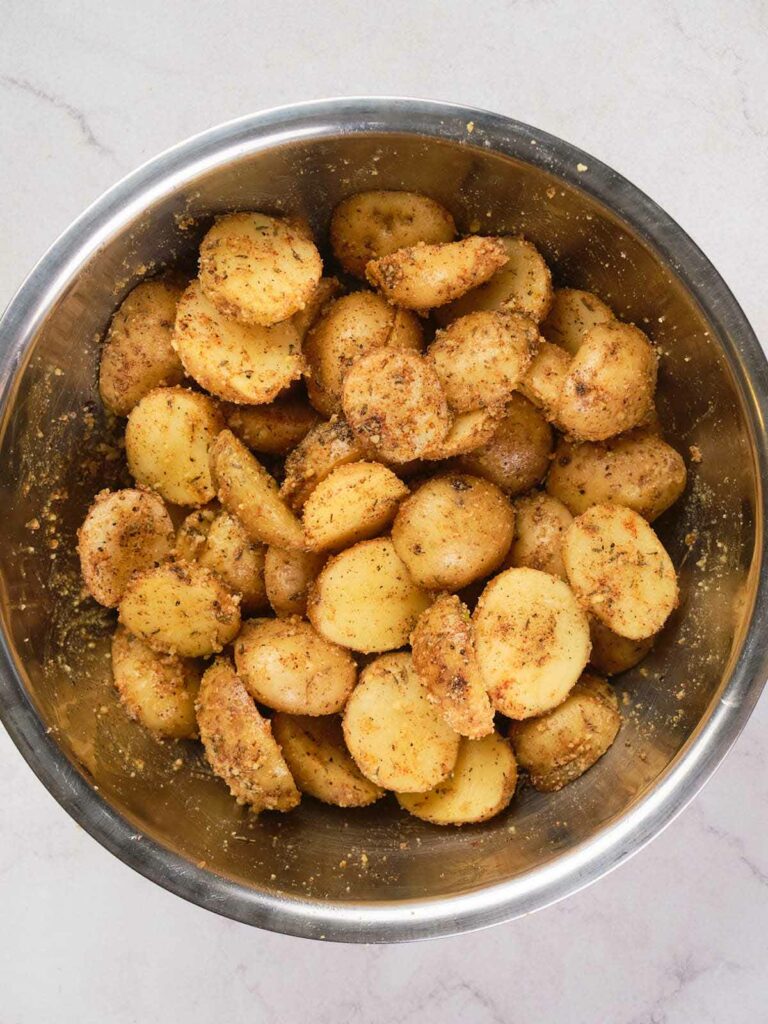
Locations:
239 362
273 429
157 690
561 745
168 441
545 379
572 314
258 269
540 525
286 665
365 599
620 570
353 503
326 447
480 786
612 653
423 276
181 608
397 738
445 661
138 355
319 761
468 432
239 744
124 532
395 405
327 288
532 641
247 490
288 576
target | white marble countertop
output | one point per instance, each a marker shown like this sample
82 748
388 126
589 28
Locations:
670 93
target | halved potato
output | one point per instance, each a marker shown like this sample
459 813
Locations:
288 576
540 525
326 447
353 503
612 653
273 429
468 432
544 381
397 738
572 314
327 288
239 744
532 641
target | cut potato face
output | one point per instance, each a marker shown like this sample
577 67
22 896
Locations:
180 608
237 361
561 745
138 355
326 447
258 269
320 763
157 690
480 786
620 570
397 738
540 525
124 532
288 576
239 744
365 598
353 503
468 432
247 490
532 640
445 661
572 314
273 429
611 653
545 379
327 288
168 441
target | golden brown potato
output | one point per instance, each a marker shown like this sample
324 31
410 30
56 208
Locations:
124 532
454 529
240 362
480 786
368 225
319 761
540 525
247 490
138 355
353 503
572 314
168 441
532 641
610 383
327 288
620 571
445 661
273 429
349 328
218 541
258 269
516 458
365 599
612 653
180 608
394 404
157 690
422 276
286 665
543 383
638 470
396 736
239 744
288 576
468 432
481 358
561 745
326 447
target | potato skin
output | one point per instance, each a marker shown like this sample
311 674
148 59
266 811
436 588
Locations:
540 525
326 447
611 653
273 429
572 314
288 576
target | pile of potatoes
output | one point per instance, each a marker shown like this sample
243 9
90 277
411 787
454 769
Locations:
387 538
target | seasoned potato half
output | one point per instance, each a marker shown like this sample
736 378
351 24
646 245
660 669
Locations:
561 745
247 490
454 529
237 361
327 288
532 641
638 470
168 441
365 599
468 431
273 429
353 503
480 786
326 447
620 570
239 744
544 381
320 763
349 328
395 405
124 532
517 455
218 541
572 314
481 358
258 269
138 355
612 653
540 525
157 690
422 276
288 576
181 608
397 737
445 661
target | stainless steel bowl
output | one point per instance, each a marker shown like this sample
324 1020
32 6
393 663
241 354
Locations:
375 875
